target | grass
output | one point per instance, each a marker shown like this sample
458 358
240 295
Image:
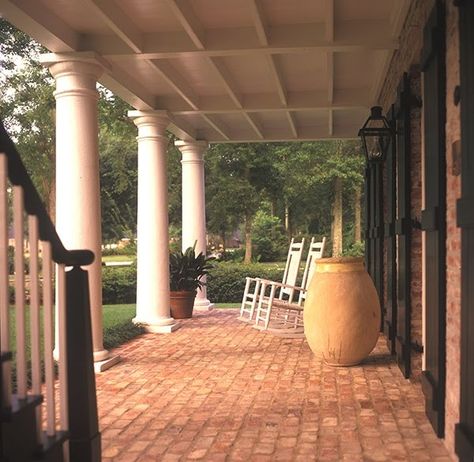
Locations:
227 305
116 258
118 326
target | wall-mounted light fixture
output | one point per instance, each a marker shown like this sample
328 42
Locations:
376 135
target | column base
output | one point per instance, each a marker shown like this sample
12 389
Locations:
101 355
203 304
101 366
159 325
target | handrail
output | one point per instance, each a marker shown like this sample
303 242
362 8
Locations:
34 206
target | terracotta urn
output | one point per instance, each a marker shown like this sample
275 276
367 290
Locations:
342 311
182 303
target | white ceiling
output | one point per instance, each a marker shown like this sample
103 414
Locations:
231 70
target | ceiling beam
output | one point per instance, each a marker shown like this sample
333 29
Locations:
278 79
118 22
176 81
329 36
226 79
305 134
41 24
292 122
255 124
297 101
186 16
181 129
259 22
219 127
242 41
129 89
380 74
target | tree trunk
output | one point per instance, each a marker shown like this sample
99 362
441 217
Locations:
248 240
287 218
223 237
357 214
337 219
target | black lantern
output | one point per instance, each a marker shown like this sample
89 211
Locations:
376 135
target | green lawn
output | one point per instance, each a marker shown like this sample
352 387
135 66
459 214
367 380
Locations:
115 258
227 305
118 326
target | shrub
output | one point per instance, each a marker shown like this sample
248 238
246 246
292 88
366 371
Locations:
226 281
119 285
357 249
268 238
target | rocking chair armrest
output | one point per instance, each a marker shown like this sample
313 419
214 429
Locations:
280 284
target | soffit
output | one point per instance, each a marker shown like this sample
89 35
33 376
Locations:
232 70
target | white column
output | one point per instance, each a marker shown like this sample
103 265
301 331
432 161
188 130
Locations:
153 285
194 205
78 218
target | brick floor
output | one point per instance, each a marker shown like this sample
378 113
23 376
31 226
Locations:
218 390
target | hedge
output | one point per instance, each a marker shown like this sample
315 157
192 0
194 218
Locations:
225 283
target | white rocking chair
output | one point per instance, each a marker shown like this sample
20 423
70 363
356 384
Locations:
285 317
252 285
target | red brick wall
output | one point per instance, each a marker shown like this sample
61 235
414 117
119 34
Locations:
453 243
416 246
407 56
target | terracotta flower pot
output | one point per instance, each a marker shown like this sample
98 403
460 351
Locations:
342 311
181 304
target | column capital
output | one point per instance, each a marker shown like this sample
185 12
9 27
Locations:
82 62
151 124
192 151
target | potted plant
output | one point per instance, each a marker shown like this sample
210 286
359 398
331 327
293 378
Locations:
186 272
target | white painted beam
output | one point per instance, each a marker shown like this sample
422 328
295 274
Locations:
278 79
292 122
241 41
181 129
226 79
254 124
118 22
259 22
186 16
219 127
41 24
297 101
176 81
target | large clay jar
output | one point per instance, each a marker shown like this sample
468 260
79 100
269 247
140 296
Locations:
342 311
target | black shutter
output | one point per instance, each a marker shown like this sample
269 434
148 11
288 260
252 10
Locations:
378 234
403 227
433 218
367 195
390 319
465 216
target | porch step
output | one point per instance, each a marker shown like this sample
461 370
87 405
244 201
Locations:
19 441
52 448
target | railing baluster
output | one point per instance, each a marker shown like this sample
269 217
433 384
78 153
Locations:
35 314
61 283
48 338
18 225
61 324
4 284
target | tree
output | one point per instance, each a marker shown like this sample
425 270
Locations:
28 107
237 180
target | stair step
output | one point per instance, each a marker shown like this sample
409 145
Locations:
19 429
52 447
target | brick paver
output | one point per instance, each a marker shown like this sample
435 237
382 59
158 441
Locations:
218 390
